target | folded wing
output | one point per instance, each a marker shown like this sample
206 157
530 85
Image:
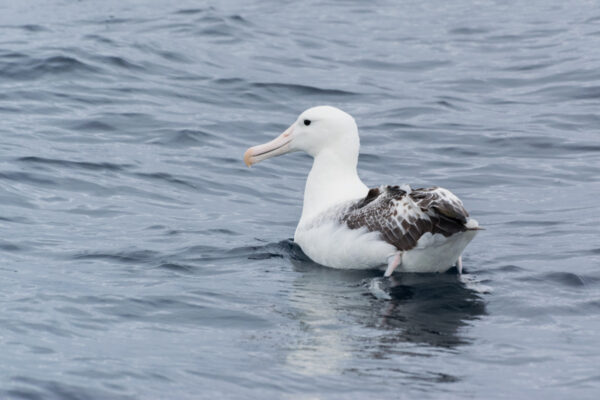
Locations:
403 215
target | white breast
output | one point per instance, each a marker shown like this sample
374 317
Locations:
335 245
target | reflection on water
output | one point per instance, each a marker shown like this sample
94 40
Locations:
430 308
424 309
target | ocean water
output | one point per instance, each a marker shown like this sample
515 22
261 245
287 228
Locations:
140 258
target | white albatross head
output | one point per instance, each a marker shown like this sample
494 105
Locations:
317 130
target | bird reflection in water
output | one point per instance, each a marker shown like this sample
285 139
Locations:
342 320
430 308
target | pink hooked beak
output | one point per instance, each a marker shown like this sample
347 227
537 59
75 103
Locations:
276 147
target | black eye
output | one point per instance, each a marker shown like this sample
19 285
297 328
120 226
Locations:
307 122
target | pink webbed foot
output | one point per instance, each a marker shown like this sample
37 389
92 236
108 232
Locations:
393 263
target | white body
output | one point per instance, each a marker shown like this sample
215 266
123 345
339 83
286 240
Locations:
337 246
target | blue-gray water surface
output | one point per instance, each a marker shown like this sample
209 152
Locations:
140 258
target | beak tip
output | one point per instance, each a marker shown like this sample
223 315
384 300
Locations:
247 156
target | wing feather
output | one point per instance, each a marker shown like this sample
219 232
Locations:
403 216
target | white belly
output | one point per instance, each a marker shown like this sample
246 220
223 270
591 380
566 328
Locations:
337 246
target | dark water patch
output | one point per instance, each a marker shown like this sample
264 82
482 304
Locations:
17 176
412 66
180 28
468 85
507 38
27 68
92 126
25 387
561 278
201 248
229 161
271 250
223 231
449 105
68 184
16 219
89 98
412 112
66 164
9 109
594 304
583 119
184 310
571 76
284 249
114 20
588 93
505 269
157 227
101 39
592 20
48 326
172 56
166 178
527 67
73 311
264 256
222 20
34 28
8 246
568 127
12 55
234 83
120 62
369 158
238 19
544 224
296 89
178 267
310 44
425 65
392 125
112 376
567 92
184 138
469 31
127 257
19 201
108 20
545 33
95 213
41 350
458 151
533 146
194 11
222 32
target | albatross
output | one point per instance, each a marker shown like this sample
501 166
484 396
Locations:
344 224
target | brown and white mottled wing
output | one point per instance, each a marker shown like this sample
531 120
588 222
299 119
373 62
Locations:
441 202
403 216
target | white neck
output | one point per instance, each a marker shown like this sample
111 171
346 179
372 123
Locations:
333 179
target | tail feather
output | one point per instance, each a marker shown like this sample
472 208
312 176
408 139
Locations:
473 225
